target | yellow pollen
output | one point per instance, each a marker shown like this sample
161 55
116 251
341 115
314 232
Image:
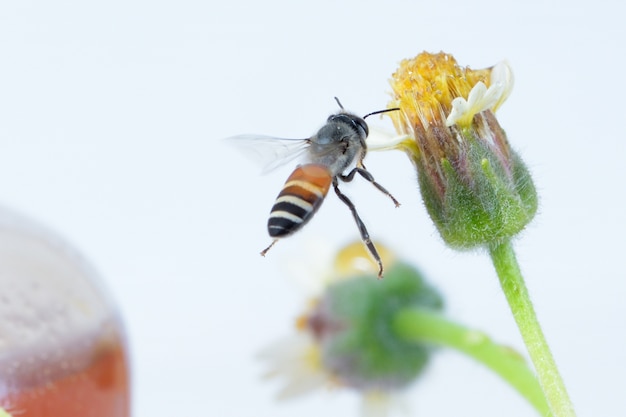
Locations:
424 87
302 322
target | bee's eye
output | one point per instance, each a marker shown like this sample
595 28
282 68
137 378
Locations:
363 125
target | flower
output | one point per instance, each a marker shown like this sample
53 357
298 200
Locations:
475 187
297 360
345 336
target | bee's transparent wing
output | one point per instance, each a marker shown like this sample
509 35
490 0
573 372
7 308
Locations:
269 152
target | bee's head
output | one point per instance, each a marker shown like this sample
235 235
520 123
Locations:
355 122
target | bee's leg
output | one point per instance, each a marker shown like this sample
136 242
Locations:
264 251
365 236
366 174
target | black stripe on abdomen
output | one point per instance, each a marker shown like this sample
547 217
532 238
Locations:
290 212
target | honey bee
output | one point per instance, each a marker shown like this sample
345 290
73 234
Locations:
337 146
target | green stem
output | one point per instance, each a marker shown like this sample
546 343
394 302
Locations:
422 325
514 288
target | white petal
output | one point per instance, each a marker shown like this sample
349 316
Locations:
502 75
479 99
459 109
382 404
383 140
302 386
295 360
310 267
476 95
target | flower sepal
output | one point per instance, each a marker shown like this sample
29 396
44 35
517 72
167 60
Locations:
481 204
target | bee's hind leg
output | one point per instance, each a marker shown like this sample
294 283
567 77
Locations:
264 251
365 236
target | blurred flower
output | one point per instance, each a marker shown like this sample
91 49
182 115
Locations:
297 360
475 187
345 337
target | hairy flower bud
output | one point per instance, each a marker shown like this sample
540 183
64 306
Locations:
475 187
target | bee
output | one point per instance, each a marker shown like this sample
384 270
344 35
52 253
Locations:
337 146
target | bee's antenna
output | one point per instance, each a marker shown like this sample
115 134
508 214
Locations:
380 111
369 114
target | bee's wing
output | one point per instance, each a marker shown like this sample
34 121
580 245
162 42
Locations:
269 152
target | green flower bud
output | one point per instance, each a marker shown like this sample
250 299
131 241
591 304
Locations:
475 187
352 323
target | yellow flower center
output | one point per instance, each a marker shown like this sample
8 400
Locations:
425 86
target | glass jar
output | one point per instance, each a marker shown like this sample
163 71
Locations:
62 345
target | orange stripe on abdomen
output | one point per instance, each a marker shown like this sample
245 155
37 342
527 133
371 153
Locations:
301 196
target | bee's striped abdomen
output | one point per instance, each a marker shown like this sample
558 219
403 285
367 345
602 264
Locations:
299 199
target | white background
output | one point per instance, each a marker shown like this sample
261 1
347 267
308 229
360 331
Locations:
111 116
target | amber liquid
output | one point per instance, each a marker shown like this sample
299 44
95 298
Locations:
62 345
100 388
